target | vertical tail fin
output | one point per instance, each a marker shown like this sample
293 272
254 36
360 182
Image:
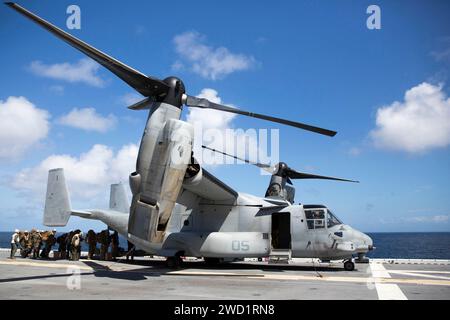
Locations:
118 199
57 204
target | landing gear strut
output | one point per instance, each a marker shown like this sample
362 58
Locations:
174 262
349 265
362 258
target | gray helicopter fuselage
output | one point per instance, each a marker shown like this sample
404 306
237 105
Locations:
245 230
204 217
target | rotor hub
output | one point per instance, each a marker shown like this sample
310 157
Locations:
280 169
175 92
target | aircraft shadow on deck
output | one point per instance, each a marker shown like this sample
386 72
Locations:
45 276
151 268
159 268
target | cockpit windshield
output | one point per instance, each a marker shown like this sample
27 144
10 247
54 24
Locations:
332 220
320 218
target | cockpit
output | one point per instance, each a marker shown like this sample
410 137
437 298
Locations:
327 233
320 217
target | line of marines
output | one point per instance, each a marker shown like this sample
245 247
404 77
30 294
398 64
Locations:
38 244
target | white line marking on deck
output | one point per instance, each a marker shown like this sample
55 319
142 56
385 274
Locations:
417 274
389 291
386 291
420 271
44 265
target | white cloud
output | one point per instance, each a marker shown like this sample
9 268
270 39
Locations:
210 118
209 123
139 30
420 123
85 70
261 40
433 219
87 176
22 125
57 89
442 54
354 151
88 119
438 219
209 62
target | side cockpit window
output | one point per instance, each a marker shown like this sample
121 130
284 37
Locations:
315 218
332 220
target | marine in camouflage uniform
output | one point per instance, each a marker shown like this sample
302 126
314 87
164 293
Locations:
69 244
75 245
25 244
115 245
30 244
36 241
49 240
103 239
81 234
91 239
62 245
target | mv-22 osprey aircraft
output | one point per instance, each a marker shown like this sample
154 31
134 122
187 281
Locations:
180 209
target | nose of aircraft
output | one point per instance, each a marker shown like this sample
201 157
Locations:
368 240
362 241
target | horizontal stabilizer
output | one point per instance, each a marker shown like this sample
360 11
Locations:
57 203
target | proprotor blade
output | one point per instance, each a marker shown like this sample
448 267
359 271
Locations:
266 167
142 105
145 85
206 104
300 175
285 170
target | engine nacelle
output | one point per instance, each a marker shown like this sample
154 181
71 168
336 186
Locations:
157 191
135 182
203 184
194 174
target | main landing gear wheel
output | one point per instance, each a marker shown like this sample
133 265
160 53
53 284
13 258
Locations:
349 265
174 262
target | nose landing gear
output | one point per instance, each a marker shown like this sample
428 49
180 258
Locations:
362 258
349 265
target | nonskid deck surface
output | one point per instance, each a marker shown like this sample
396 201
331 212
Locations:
150 279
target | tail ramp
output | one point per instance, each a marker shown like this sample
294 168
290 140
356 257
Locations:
57 204
118 200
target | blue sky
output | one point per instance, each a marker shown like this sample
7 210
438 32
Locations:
311 61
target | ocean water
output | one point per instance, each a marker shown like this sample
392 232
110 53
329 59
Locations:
402 245
411 245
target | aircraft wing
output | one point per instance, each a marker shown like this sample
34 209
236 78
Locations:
209 188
